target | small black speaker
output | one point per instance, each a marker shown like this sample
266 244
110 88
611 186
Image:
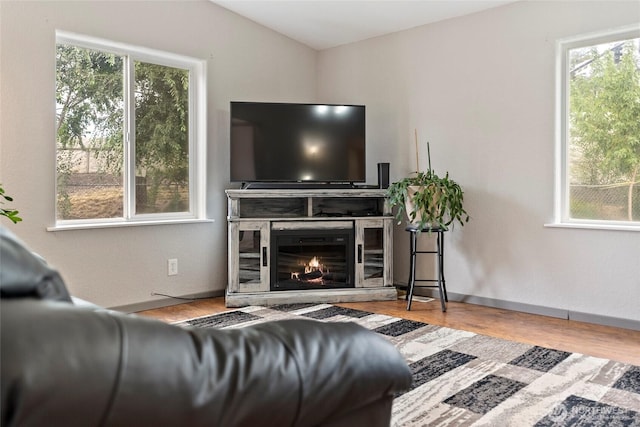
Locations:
383 175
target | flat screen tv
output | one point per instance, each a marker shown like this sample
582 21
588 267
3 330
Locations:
297 143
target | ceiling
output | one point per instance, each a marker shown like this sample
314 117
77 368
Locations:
323 24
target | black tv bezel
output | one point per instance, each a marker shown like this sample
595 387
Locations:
302 184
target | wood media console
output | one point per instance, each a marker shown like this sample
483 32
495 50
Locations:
309 246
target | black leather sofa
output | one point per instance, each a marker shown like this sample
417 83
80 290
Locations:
65 365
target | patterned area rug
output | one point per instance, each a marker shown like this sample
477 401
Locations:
466 379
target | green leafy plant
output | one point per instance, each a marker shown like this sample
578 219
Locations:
427 199
12 214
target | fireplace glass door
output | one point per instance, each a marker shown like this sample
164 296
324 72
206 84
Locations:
312 259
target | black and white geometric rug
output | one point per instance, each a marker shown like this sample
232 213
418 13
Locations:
466 379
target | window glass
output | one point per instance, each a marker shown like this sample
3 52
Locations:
90 129
162 142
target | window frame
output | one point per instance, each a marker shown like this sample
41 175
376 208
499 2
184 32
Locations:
196 137
562 192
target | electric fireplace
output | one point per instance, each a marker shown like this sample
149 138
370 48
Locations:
312 259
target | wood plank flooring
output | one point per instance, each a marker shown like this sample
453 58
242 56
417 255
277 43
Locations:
600 341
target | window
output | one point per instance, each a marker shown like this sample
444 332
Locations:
129 134
599 132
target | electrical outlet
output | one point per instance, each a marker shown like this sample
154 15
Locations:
172 267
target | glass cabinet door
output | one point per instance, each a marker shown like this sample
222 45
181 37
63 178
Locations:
372 260
249 260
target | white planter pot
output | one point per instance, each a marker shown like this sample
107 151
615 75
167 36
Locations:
410 206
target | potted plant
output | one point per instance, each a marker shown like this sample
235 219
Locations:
12 214
428 199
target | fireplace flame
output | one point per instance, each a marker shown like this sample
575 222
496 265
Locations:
313 268
314 265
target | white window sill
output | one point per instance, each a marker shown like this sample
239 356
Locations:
115 224
595 226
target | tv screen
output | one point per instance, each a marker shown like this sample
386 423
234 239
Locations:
281 142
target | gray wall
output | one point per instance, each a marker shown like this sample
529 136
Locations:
481 88
123 266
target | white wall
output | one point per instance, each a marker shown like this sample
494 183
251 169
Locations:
480 88
123 266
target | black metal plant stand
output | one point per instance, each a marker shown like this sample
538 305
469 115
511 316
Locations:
439 252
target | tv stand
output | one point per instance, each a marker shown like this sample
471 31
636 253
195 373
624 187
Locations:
255 216
296 185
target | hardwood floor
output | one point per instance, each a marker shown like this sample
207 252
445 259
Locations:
600 341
